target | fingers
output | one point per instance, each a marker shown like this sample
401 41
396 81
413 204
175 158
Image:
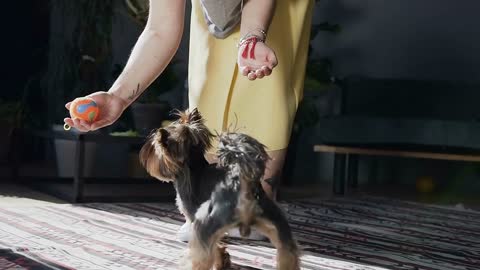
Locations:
251 76
258 74
78 124
244 71
84 126
68 105
81 125
267 71
69 122
74 124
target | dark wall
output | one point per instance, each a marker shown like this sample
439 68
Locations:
24 38
400 39
420 39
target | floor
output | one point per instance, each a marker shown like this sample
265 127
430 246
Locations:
14 194
342 233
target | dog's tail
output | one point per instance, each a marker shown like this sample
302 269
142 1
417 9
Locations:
245 158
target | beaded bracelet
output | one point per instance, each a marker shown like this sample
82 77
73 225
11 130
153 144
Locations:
250 35
253 40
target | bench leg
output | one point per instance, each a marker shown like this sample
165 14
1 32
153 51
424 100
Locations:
339 174
352 175
373 172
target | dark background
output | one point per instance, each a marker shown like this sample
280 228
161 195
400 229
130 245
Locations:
405 39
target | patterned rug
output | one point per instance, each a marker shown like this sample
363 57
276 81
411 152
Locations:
354 234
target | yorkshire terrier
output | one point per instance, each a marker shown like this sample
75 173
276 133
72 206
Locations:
217 197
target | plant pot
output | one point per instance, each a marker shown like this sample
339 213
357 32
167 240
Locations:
103 160
147 117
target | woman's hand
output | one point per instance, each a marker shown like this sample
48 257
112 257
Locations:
111 108
257 61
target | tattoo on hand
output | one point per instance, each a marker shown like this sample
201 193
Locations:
134 93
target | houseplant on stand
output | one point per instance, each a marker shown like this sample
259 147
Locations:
149 110
79 61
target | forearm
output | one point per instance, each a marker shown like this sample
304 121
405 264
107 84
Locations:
256 15
151 54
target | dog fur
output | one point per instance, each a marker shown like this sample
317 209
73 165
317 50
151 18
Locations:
217 197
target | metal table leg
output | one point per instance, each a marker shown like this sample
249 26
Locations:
352 176
78 180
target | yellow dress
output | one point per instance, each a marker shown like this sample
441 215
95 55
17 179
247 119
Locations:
265 108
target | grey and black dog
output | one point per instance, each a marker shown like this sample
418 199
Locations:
217 197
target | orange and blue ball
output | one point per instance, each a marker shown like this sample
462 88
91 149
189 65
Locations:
85 109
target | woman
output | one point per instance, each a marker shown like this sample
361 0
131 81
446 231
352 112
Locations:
227 81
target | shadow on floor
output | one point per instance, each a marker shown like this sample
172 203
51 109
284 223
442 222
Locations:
14 195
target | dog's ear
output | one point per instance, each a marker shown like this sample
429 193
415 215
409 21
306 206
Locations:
164 134
159 165
194 116
147 156
190 117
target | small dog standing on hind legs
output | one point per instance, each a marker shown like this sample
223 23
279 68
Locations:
217 197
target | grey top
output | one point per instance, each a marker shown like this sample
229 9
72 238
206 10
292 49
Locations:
222 16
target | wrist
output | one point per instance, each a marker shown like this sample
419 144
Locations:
127 97
254 36
258 32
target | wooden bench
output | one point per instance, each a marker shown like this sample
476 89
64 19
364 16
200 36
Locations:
345 168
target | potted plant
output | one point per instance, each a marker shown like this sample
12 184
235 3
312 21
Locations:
79 61
149 110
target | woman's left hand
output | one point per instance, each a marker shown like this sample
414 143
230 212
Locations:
257 61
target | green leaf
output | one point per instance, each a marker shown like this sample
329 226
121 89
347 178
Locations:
128 133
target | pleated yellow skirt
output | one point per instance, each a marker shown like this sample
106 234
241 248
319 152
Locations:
265 108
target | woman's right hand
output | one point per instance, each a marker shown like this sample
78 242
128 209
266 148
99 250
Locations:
111 108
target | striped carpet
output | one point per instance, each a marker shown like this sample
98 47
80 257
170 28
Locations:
363 233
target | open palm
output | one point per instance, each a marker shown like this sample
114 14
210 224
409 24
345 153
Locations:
111 108
256 61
